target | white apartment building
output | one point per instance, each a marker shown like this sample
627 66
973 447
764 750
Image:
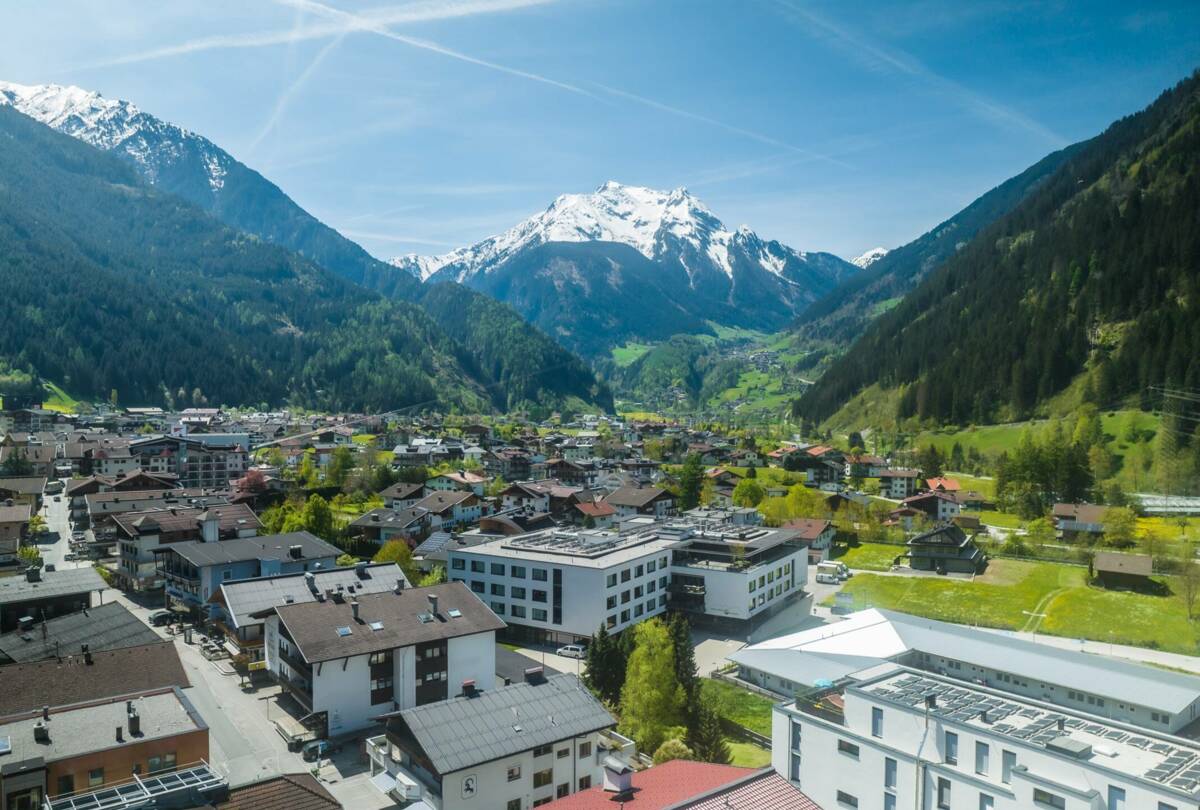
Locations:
1150 697
897 738
512 748
350 659
559 585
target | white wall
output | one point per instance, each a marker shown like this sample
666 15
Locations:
470 657
493 790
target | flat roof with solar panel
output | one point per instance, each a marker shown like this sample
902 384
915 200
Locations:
1162 759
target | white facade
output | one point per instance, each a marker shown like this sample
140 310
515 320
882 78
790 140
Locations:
744 594
343 687
884 751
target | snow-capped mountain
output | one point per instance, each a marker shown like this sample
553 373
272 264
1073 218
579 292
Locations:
869 258
639 263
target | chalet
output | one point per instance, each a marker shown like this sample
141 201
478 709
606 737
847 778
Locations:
898 484
940 484
575 473
451 509
641 501
600 514
745 458
971 499
864 466
532 496
815 533
141 533
1072 519
23 491
402 495
14 527
1117 570
457 481
945 549
939 506
381 525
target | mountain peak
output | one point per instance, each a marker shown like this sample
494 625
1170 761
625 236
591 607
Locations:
870 257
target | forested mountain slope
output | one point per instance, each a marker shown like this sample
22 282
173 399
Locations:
109 283
1097 270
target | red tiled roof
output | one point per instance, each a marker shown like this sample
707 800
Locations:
685 785
948 484
596 509
808 528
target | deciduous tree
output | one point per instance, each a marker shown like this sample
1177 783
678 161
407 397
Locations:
652 701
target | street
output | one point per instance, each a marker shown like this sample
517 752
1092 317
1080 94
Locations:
57 540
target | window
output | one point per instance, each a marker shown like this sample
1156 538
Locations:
562 753
846 800
986 802
611 581
517 572
543 778
876 721
539 615
611 621
889 801
650 605
477 586
497 589
1044 798
1008 761
514 773
1165 806
518 611
625 596
796 736
66 784
951 748
982 754
377 658
498 608
662 600
585 750
513 804
1116 798
542 750
497 569
641 570
624 616
650 566
166 762
477 566
637 610
585 782
638 593
517 592
848 748
540 802
610 603
889 772
651 586
943 793
539 596
539 575
562 790
95 777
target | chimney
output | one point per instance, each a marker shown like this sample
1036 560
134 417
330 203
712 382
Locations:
33 574
87 655
930 701
433 606
296 552
468 687
119 737
46 713
984 718
210 524
360 569
310 580
135 723
535 675
25 623
399 584
354 608
41 733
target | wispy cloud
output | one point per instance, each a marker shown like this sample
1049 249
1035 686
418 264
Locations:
285 98
894 60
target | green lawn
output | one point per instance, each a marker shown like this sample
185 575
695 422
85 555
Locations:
984 486
1012 589
1003 519
628 354
748 755
739 705
362 439
58 399
871 556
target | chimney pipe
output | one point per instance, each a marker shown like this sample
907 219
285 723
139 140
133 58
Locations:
119 738
433 604
354 608
399 584
45 712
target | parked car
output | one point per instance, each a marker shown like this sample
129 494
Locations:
77 536
315 750
160 617
572 651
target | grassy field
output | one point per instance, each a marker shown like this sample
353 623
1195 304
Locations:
871 556
748 755
628 354
1003 519
362 439
58 399
1011 590
738 705
984 486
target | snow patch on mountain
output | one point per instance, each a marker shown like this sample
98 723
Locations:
658 224
870 257
114 124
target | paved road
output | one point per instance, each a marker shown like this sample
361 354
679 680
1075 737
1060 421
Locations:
1139 654
58 538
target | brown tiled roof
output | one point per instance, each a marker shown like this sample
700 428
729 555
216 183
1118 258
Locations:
313 626
23 486
402 491
1114 562
230 518
635 496
290 791
60 682
807 528
445 500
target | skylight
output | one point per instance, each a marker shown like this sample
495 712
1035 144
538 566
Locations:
5 745
344 631
455 613
376 625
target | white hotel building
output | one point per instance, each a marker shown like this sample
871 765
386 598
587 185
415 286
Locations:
560 585
896 738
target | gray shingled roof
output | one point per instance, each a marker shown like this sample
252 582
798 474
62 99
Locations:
107 627
245 597
464 732
64 582
268 547
313 626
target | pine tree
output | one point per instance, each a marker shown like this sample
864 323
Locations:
605 674
685 656
691 482
707 738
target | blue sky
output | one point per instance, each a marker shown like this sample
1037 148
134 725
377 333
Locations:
427 124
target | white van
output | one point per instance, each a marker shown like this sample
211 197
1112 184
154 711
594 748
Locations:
831 572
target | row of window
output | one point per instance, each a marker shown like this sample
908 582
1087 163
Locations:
518 611
498 569
775 590
769 577
156 764
637 571
639 609
637 593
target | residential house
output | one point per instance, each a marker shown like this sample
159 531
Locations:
816 534
861 465
452 509
1117 570
349 660
194 570
140 533
898 484
381 525
209 461
14 527
26 491
462 481
512 748
109 626
939 506
39 595
946 549
402 495
1073 519
641 501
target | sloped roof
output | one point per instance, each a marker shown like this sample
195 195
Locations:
244 597
63 582
463 732
289 791
268 547
107 627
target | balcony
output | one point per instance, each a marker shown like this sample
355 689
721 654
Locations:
393 779
827 704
